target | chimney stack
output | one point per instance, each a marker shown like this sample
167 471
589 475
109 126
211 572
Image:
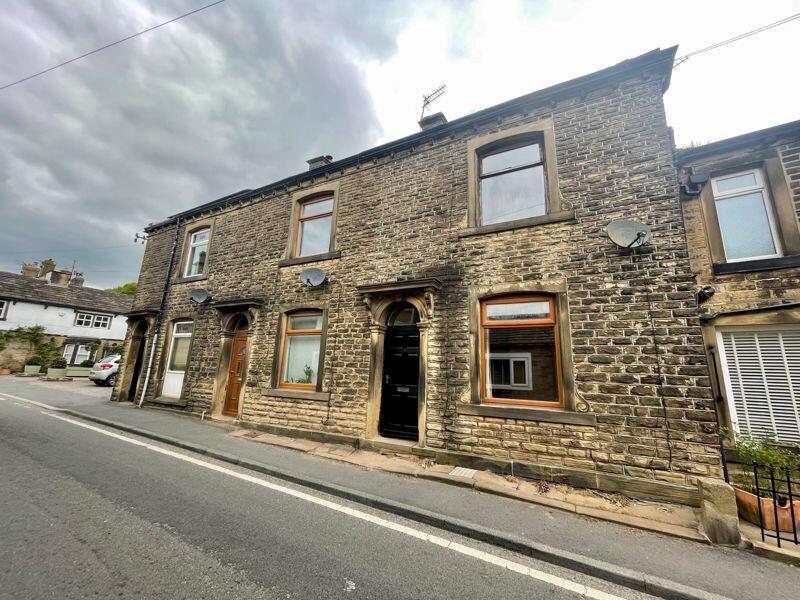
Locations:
48 266
320 161
432 121
59 277
30 270
76 281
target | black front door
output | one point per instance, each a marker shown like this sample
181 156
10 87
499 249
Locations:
400 392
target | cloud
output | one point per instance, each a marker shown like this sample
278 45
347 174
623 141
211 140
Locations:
233 97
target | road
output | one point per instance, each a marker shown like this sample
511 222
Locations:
88 512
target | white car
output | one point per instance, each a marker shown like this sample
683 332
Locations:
104 372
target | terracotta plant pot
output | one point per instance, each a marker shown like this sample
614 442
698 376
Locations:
747 504
5 371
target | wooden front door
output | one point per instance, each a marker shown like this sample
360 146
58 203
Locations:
400 393
235 374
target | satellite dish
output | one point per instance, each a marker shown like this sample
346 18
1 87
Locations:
199 296
312 277
629 234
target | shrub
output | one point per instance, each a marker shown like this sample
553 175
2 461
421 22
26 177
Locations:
87 363
35 360
765 452
59 363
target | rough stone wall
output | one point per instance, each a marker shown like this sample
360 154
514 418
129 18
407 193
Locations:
400 217
754 289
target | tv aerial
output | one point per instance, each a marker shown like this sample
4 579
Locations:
629 234
312 277
199 296
428 99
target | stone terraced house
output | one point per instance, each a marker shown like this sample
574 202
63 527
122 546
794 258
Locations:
473 308
740 199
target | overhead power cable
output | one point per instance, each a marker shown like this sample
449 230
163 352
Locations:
96 50
741 36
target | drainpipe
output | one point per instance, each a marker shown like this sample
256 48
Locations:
160 313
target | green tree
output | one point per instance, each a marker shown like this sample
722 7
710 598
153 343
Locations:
129 289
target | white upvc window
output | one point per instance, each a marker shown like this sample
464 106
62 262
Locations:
761 372
3 309
197 253
510 371
746 216
84 319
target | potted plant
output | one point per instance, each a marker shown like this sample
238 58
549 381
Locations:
767 455
33 365
82 370
57 368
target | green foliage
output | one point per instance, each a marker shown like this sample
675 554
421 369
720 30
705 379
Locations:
59 363
129 289
43 348
114 349
765 452
86 363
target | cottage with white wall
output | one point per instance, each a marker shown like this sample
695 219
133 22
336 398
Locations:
58 301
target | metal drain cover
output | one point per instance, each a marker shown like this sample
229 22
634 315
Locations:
464 472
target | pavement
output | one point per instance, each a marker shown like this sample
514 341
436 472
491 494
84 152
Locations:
682 568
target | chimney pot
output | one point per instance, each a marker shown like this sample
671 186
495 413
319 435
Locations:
76 281
48 266
432 121
319 161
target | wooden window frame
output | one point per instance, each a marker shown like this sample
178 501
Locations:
760 186
301 220
550 322
288 332
190 245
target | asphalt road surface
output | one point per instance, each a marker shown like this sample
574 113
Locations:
86 512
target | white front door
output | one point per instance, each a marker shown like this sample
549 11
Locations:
178 357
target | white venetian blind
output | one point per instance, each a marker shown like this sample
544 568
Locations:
763 376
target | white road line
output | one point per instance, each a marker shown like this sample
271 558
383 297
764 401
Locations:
34 402
566 584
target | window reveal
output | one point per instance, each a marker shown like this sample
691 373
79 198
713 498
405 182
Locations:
520 362
745 215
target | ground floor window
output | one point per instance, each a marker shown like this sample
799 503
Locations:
761 369
520 360
75 354
177 358
301 350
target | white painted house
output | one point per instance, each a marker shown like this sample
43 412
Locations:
59 302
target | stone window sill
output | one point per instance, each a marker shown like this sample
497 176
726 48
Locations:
528 413
301 260
764 264
296 394
200 277
556 217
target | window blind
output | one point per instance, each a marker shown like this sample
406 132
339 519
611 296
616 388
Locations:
763 378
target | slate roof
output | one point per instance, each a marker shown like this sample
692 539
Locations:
27 289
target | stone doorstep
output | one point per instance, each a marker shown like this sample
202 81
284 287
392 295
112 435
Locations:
673 520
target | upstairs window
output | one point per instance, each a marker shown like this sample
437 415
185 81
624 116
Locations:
512 184
745 214
3 309
301 350
197 252
84 319
520 360
314 227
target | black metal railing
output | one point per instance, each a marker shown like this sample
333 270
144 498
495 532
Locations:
777 491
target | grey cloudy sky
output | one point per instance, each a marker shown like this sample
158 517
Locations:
243 93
